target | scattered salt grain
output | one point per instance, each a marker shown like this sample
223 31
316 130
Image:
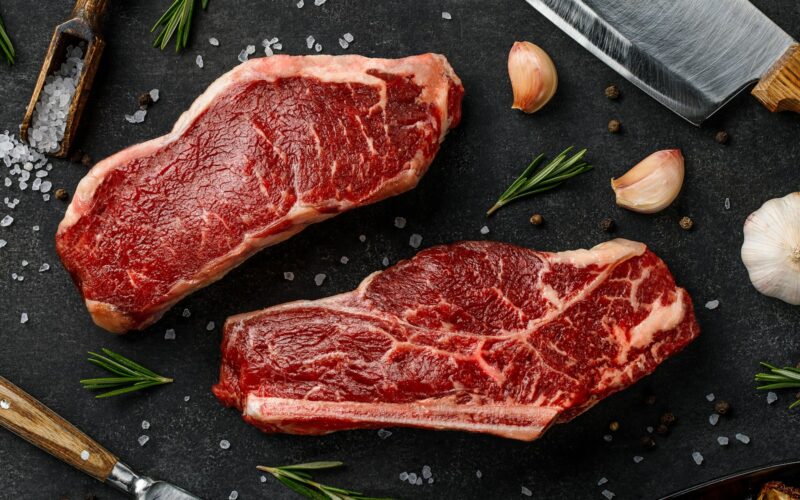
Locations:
638 458
24 263
415 241
608 494
771 397
712 304
710 397
20 278
723 441
343 43
4 404
478 474
154 95
743 438
362 238
383 433
348 37
317 47
319 2
713 418
403 476
210 326
344 259
3 243
310 41
412 478
288 276
6 221
143 439
23 318
607 438
224 444
45 197
300 4
187 398
277 46
430 480
84 455
250 49
419 481
400 222
426 472
35 228
697 457
234 495
242 56
446 15
263 479
44 267
170 334
137 117
485 230
145 424
602 481
319 279
186 312
525 491
727 203
649 429
213 41
199 61
385 262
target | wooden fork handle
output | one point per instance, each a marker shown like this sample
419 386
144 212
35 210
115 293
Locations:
31 420
779 89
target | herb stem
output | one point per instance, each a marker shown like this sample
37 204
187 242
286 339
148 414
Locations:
131 375
297 478
779 378
6 47
176 21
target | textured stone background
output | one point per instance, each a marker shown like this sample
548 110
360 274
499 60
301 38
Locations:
477 161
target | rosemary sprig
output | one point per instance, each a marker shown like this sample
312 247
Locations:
6 47
550 176
177 20
780 378
131 375
297 478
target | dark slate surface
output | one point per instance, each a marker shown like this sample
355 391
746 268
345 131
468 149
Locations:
46 356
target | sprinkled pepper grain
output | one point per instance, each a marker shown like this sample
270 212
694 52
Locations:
721 137
614 426
612 92
614 126
62 194
608 225
668 419
686 223
722 407
537 220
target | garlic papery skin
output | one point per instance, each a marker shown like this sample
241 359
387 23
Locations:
533 76
652 184
771 248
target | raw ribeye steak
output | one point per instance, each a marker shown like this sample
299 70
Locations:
272 146
475 336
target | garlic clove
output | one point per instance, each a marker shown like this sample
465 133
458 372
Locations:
533 76
652 184
771 248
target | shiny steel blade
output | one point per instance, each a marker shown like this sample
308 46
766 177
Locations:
693 56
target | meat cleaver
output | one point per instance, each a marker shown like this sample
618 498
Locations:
692 56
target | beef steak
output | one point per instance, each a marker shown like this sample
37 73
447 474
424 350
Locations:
272 146
475 336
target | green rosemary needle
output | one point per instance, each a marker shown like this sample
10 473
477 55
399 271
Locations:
6 47
779 378
297 478
177 20
552 175
131 375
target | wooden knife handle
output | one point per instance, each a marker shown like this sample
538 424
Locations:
779 89
31 420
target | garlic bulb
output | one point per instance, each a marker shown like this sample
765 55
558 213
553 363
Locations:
771 249
652 184
533 76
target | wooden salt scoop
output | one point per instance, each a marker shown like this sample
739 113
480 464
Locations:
84 26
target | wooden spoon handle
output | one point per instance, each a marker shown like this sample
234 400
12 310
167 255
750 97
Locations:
31 420
779 89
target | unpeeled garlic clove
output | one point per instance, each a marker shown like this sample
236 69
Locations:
652 184
771 248
533 76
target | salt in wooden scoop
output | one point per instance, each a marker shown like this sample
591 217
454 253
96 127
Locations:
84 26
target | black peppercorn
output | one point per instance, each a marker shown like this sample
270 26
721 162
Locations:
668 419
608 225
614 126
62 194
686 223
648 442
662 429
612 92
650 400
76 156
537 220
145 100
614 426
86 160
722 407
721 137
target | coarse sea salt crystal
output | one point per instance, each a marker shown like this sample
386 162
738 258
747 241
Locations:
608 494
478 474
400 222
383 433
187 398
771 397
412 477
35 228
403 476
385 261
344 259
300 4
84 455
199 61
343 43
288 276
186 312
3 243
170 334
415 241
23 318
319 279
4 404
607 438
6 221
263 479
362 238
713 418
210 326
710 397
743 438
697 457
446 15
44 267
251 49
213 41
24 263
712 304
727 203
145 424
317 47
234 495
143 439
319 2
310 41
426 472
224 444
277 46
723 441
525 491
348 37
602 481
649 429
155 95
485 230
242 55
638 458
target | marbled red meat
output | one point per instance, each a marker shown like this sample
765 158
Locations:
474 336
272 146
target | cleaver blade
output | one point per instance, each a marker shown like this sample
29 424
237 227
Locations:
692 56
